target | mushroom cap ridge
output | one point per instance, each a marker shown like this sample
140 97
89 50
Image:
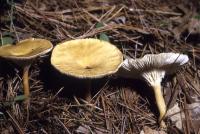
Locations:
163 62
86 58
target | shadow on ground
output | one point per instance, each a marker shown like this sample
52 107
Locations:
54 80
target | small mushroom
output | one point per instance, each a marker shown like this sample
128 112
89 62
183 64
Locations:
24 53
86 59
152 68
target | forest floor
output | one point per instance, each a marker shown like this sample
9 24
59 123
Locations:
119 105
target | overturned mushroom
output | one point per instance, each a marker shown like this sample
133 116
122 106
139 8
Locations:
24 53
86 59
152 68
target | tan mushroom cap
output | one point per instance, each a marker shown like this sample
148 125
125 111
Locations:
86 58
26 49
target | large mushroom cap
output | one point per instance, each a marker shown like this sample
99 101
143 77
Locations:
86 58
167 62
26 49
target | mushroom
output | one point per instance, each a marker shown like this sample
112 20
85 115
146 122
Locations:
23 54
152 68
86 59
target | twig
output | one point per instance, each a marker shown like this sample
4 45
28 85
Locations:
63 125
155 11
15 123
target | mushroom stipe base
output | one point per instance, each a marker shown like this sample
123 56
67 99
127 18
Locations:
88 95
160 101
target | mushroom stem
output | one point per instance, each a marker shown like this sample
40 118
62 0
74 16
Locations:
87 96
26 80
160 103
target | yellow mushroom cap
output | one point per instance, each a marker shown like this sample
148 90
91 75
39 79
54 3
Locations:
26 49
86 58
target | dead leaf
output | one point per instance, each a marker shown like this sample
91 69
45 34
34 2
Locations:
120 20
178 117
175 116
148 130
83 130
87 130
194 111
194 26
